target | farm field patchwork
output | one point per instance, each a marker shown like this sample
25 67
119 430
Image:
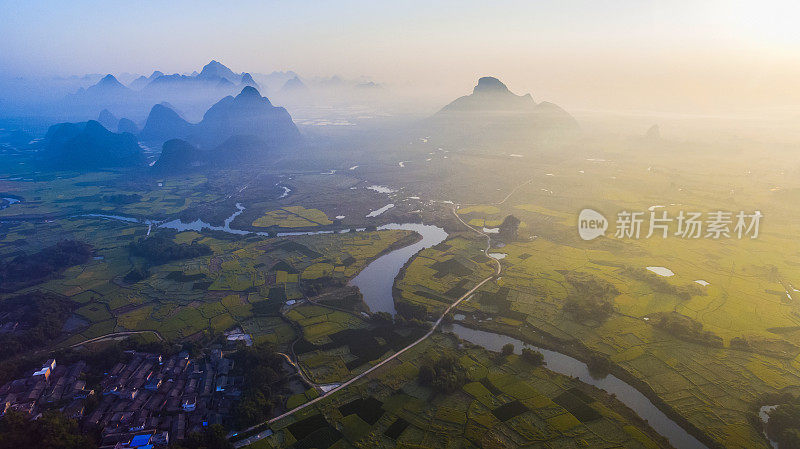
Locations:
504 402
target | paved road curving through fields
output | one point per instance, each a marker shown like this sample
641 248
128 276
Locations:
436 324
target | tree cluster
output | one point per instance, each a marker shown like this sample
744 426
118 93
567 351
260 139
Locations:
591 298
29 269
160 249
508 228
411 311
535 358
685 328
784 425
212 437
40 317
445 374
661 285
262 369
52 430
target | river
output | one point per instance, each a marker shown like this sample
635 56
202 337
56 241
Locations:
564 364
376 280
375 283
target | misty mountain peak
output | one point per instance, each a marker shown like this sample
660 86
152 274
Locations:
109 81
215 69
490 94
250 93
490 84
293 84
247 114
248 80
162 108
224 83
108 85
164 123
492 113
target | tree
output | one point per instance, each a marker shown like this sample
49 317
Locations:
29 269
212 437
426 374
382 318
161 248
507 350
444 375
508 228
52 430
784 425
41 317
599 366
535 358
259 365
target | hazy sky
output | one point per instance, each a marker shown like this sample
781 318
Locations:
651 55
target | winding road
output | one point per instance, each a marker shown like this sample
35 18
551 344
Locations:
465 296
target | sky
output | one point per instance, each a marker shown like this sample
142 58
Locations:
703 56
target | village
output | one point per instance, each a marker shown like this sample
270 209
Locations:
144 402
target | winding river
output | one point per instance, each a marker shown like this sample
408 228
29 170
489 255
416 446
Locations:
376 280
564 364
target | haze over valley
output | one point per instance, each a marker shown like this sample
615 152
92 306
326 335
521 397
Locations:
263 225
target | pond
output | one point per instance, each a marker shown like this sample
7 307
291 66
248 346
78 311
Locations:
377 212
381 189
661 271
6 202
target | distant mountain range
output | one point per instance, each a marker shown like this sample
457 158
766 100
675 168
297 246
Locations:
237 129
247 114
493 114
214 75
194 93
142 81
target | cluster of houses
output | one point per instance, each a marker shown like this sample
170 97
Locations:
51 385
143 403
